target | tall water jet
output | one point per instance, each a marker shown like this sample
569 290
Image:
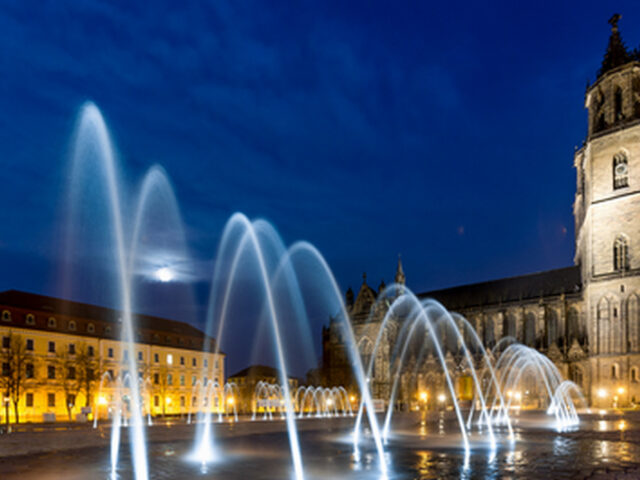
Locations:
93 144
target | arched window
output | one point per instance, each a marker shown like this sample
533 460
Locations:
51 322
573 326
6 315
633 322
633 374
620 171
530 330
489 336
365 348
617 104
91 328
576 375
615 371
552 326
620 254
30 319
72 325
509 326
604 326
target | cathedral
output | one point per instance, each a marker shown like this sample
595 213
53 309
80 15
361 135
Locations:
585 318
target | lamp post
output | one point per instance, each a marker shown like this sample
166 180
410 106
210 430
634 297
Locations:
6 410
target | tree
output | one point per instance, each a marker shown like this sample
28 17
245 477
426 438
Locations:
88 372
161 385
17 369
68 378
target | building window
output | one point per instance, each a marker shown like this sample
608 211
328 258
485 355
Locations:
51 372
29 370
156 401
620 171
30 344
615 371
156 357
193 380
91 327
620 254
206 363
90 351
71 373
169 359
169 379
634 374
6 342
52 347
51 400
107 329
6 315
181 360
140 356
182 380
193 362
31 320
182 402
51 322
112 374
72 325
156 378
110 353
5 369
125 355
194 400
72 349
29 400
71 401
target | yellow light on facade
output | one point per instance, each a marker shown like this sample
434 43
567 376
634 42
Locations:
102 400
622 425
329 402
602 393
230 400
169 359
352 398
621 390
442 397
168 400
518 396
509 393
423 396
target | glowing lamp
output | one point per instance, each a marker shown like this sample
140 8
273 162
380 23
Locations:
230 401
518 396
423 396
621 391
602 393
442 397
102 400
329 402
168 400
352 398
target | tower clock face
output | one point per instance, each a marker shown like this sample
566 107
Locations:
621 169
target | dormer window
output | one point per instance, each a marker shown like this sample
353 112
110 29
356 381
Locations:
6 316
620 171
30 319
72 325
51 322
91 328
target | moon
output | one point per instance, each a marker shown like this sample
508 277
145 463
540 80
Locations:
164 274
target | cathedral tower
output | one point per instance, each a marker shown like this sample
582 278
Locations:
607 217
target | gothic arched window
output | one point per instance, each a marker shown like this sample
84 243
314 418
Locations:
617 104
633 323
620 171
604 326
620 254
530 330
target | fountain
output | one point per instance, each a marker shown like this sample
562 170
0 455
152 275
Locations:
154 244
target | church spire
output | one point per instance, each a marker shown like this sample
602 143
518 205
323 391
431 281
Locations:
400 278
617 53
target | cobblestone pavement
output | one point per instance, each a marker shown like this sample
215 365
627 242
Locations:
603 447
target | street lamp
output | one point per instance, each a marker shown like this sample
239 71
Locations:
602 393
442 398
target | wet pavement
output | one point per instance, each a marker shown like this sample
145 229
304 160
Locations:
601 447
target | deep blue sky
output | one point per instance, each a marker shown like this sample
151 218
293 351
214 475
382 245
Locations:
442 132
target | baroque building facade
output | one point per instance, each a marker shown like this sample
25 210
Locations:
586 317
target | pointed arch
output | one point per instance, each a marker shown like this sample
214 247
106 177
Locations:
604 326
620 170
621 253
633 321
530 329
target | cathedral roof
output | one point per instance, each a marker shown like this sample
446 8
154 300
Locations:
617 53
524 287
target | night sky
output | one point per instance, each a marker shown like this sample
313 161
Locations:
444 132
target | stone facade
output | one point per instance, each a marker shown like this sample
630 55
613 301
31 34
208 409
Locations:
585 318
